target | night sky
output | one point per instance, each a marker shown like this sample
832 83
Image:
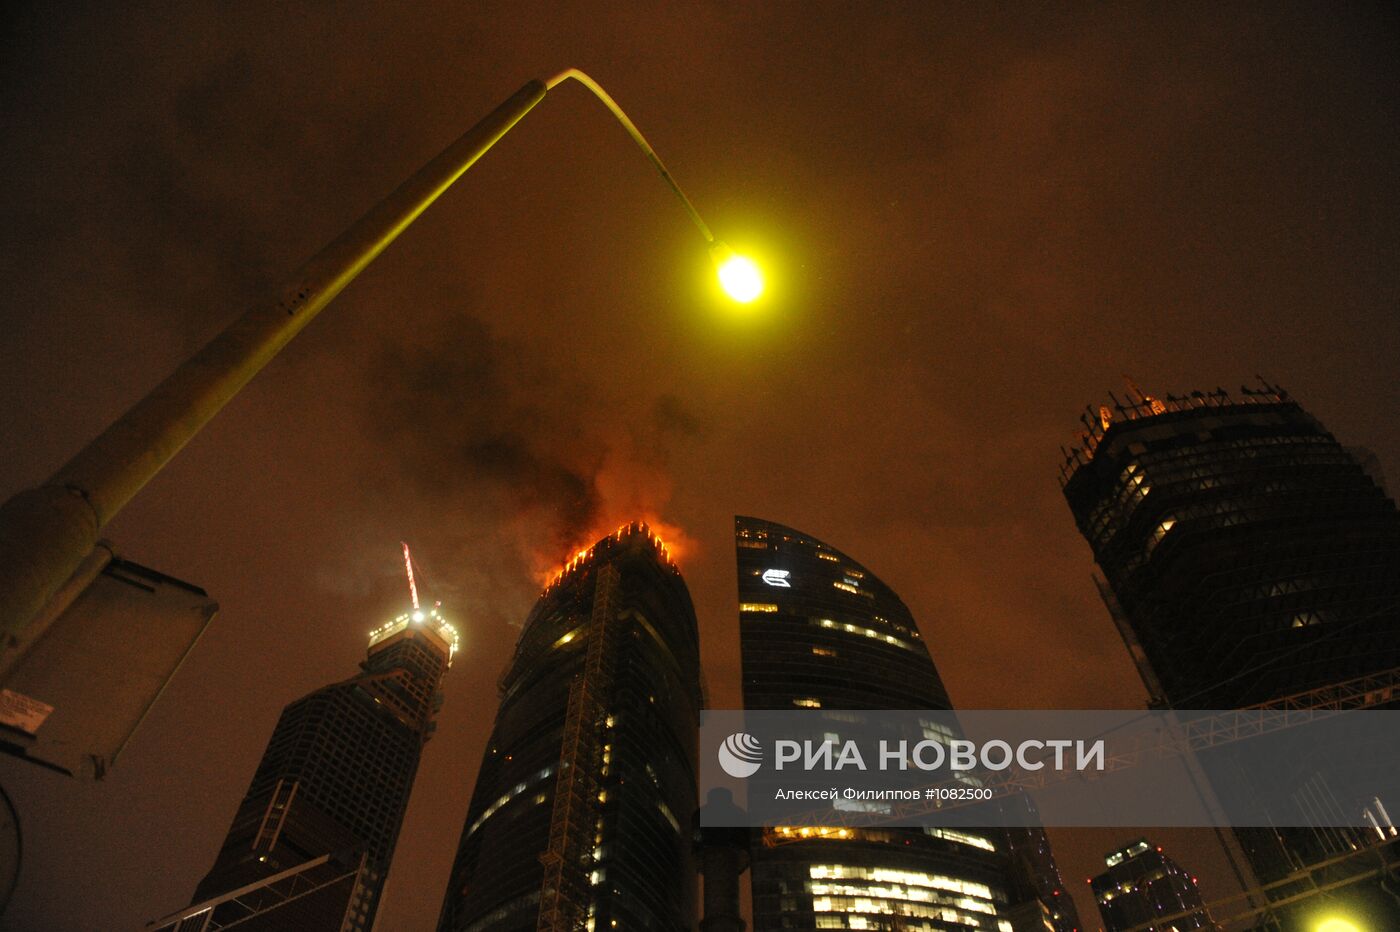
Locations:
976 220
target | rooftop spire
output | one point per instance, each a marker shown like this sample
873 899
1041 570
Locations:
408 565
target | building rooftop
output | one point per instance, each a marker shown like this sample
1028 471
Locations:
624 534
1099 424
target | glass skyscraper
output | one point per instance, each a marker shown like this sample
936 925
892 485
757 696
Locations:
1247 557
581 817
820 631
334 781
1143 887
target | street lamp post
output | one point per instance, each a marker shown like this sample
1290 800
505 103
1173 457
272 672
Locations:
46 532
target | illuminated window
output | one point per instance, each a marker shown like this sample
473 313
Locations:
807 702
936 730
757 607
849 585
824 652
806 831
827 556
863 892
519 788
962 838
862 631
861 805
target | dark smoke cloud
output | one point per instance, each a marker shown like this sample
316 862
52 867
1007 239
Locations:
514 444
457 408
671 416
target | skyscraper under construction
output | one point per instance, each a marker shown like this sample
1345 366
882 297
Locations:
581 816
1249 558
1246 554
819 631
311 843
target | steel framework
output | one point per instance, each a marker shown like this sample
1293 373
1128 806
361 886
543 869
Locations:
564 890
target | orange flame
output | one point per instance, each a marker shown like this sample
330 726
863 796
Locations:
670 541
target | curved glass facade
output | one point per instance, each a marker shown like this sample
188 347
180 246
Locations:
585 797
1247 555
820 631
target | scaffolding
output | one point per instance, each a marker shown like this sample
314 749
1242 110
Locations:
565 887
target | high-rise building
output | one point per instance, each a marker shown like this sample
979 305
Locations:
581 816
324 808
1036 885
819 631
1144 889
1247 556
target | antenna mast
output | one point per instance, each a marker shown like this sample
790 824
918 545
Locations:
408 565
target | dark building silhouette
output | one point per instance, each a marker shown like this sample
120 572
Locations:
1143 886
1037 889
819 631
1247 556
581 816
332 788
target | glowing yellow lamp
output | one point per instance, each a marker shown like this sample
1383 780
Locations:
738 275
1337 925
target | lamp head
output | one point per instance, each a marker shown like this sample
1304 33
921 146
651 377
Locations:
738 275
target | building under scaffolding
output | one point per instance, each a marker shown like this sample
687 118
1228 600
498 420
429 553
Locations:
581 817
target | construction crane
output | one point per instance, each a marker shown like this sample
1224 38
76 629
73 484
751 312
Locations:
574 820
1188 737
1241 910
1256 902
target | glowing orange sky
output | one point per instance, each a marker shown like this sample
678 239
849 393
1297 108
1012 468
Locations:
974 220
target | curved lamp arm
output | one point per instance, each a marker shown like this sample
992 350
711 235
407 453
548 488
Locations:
45 533
637 137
